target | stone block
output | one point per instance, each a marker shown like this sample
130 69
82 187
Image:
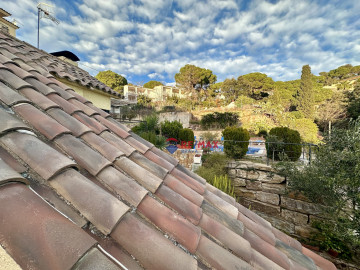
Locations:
268 209
239 182
294 217
301 206
268 197
274 188
243 192
254 185
278 223
306 231
253 174
232 173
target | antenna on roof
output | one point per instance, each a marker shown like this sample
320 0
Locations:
45 11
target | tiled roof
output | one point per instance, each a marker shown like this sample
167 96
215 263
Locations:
78 190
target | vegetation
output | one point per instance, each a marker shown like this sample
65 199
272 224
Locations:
152 84
236 142
218 120
305 95
333 179
187 135
171 129
282 143
112 79
143 100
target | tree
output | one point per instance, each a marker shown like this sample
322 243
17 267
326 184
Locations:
256 85
333 179
152 84
353 107
171 129
143 100
236 142
230 89
194 79
112 79
305 94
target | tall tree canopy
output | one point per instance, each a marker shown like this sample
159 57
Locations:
306 95
112 79
230 89
152 84
256 85
193 78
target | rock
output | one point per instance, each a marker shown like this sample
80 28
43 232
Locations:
301 206
261 207
243 192
268 197
241 173
279 223
294 217
254 185
306 231
232 173
239 182
274 188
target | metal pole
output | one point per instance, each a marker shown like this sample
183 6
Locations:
38 37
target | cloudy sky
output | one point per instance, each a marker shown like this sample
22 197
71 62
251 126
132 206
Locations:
152 39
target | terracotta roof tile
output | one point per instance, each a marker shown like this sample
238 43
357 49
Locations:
97 205
142 148
149 246
165 156
119 124
144 177
49 195
38 237
83 107
183 190
21 73
138 138
220 194
93 260
39 99
43 159
75 126
87 158
40 121
183 206
100 111
102 146
65 105
10 97
7 174
319 261
218 257
9 122
114 128
64 94
122 185
118 143
227 237
187 180
178 227
253 216
221 204
90 122
80 98
149 165
158 160
11 161
191 174
287 239
259 261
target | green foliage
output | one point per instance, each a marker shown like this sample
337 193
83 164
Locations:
215 164
307 128
219 120
283 142
263 133
209 136
333 179
236 142
112 79
171 129
157 140
230 89
353 107
305 95
343 72
244 100
256 85
187 135
224 184
193 78
152 84
143 100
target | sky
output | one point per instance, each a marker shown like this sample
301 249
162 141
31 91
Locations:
152 39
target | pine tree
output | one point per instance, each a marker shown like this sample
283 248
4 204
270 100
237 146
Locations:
306 95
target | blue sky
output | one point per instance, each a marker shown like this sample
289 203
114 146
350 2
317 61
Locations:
152 39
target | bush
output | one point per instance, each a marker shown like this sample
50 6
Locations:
214 164
236 142
219 120
209 136
171 129
262 133
283 142
187 135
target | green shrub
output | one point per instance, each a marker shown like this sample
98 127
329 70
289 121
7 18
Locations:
219 120
236 142
209 136
224 184
283 142
262 133
214 164
171 129
187 135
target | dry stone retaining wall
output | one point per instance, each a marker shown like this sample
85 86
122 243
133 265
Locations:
258 187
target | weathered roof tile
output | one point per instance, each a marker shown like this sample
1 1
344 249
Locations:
159 160
38 99
38 237
150 247
189 181
114 128
118 143
98 206
64 104
149 165
11 97
93 260
9 122
90 122
142 148
11 161
40 121
42 158
7 174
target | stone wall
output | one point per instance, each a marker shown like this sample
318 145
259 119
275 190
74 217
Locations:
258 187
184 156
